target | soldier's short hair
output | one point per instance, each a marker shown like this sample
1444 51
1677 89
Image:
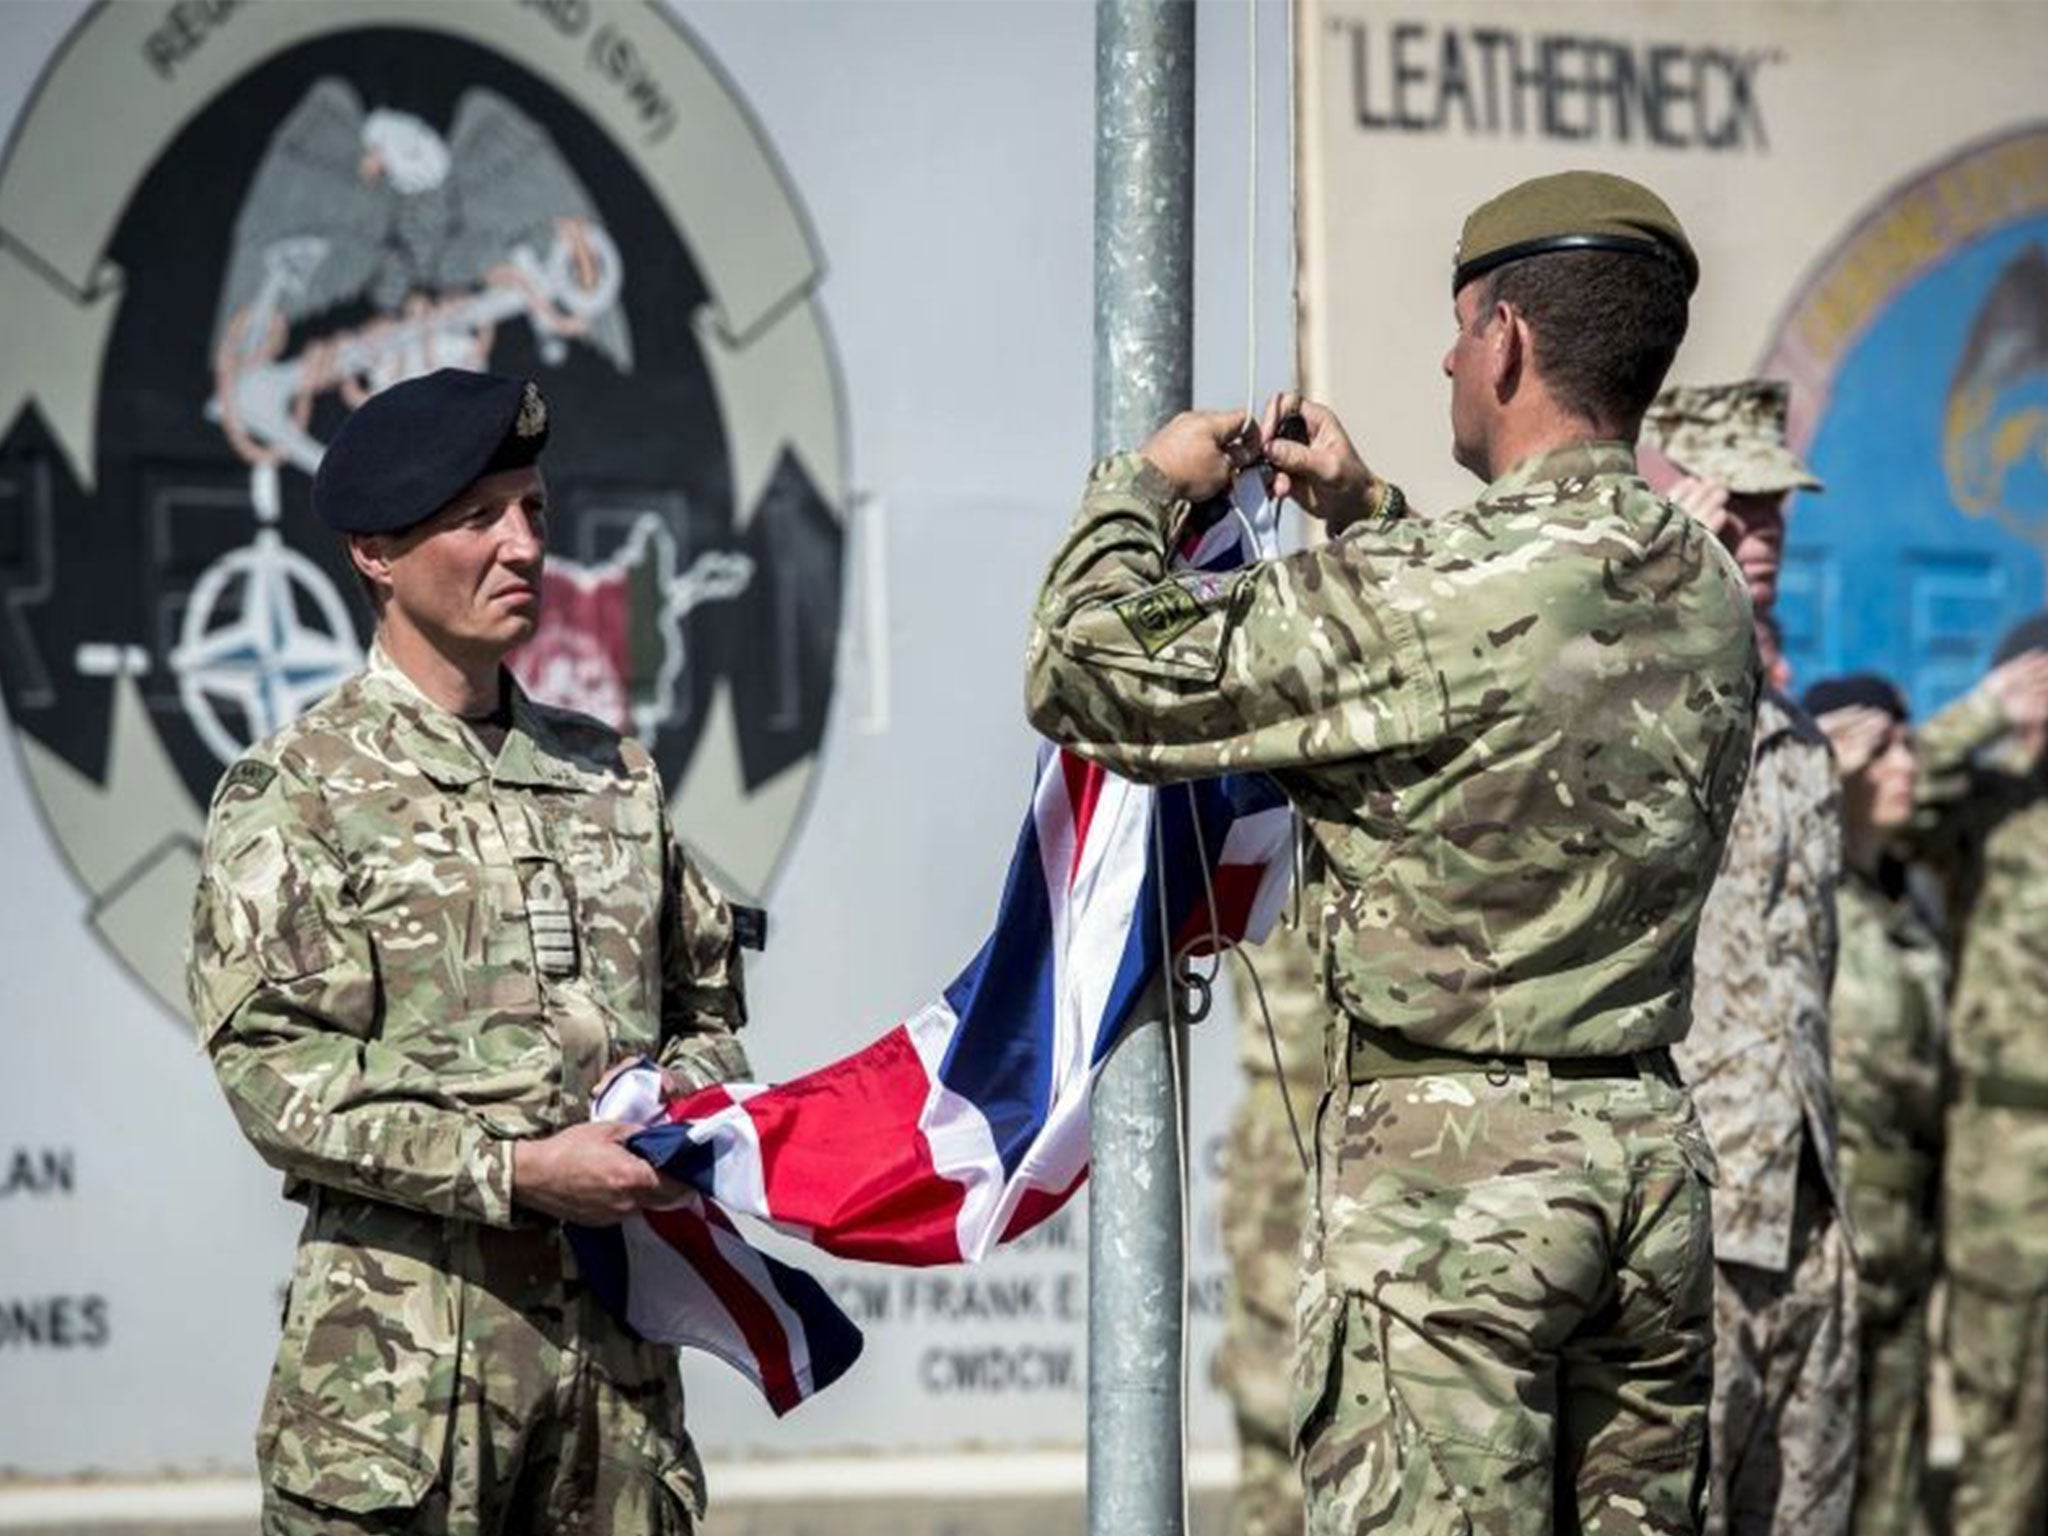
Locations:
1606 324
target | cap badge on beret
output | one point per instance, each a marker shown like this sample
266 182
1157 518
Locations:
533 412
408 450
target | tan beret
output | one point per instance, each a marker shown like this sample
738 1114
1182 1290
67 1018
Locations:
1572 211
1734 433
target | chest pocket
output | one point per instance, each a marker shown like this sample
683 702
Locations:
446 912
590 871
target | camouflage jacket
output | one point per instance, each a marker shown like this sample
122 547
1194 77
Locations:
405 956
1982 823
1888 1008
1757 1058
1515 734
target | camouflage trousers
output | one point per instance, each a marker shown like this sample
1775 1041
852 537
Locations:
1995 1231
1265 1198
439 1378
1784 1439
1999 1344
1897 1256
1508 1329
1891 1458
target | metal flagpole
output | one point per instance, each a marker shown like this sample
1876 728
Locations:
1144 324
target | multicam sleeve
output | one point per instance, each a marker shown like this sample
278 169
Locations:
283 990
703 986
1288 663
1950 793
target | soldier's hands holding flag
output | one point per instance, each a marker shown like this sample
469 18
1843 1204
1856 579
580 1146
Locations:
1202 451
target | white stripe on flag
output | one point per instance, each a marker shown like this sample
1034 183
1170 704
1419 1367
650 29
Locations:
742 1256
737 1178
957 1134
667 1299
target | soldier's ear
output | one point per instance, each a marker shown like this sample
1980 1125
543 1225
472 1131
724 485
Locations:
1509 350
370 554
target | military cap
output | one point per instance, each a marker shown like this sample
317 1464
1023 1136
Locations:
1734 433
2030 634
1864 690
1572 211
407 452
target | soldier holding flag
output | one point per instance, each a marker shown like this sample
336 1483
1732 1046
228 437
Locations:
1516 735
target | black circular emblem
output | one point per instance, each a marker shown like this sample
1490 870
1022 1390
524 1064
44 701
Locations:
334 208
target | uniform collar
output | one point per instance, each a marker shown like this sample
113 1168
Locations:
1577 461
1778 716
443 747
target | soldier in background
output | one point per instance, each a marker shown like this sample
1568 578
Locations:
432 914
1784 1447
1265 1200
1516 735
1982 824
1889 1003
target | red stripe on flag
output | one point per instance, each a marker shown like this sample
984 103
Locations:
1034 1205
701 1105
1236 887
1084 788
842 1156
690 1235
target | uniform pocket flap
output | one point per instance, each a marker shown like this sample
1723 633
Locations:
321 1461
1317 1341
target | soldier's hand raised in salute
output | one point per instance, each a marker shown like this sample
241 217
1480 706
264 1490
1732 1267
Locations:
1858 734
1704 500
2021 688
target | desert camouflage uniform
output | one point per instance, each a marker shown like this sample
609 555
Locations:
405 957
1984 821
1516 735
1890 1051
1265 1199
1757 1060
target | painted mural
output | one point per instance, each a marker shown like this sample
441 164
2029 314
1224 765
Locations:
1918 349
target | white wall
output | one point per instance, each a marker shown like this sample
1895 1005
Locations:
944 156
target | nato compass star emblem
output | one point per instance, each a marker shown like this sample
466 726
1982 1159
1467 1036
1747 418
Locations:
371 201
248 643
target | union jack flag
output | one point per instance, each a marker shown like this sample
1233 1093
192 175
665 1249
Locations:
967 1124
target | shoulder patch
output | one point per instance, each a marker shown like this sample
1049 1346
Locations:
247 776
1161 616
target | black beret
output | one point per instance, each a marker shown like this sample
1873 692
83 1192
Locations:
2029 634
404 454
1866 689
1572 211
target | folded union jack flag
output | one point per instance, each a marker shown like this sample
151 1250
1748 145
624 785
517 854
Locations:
967 1124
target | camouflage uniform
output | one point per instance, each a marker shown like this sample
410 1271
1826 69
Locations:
1757 1060
1984 820
405 956
1888 1004
1516 735
1265 1198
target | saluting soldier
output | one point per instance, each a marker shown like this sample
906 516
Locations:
1982 822
1890 1006
1516 735
432 914
1785 1316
